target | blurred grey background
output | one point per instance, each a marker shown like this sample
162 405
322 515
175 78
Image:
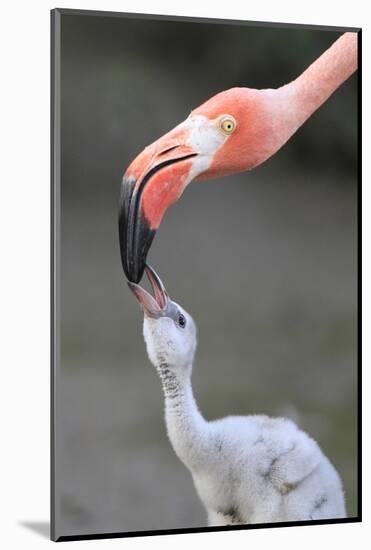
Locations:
264 261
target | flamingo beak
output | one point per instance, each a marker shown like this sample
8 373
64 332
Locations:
152 306
153 181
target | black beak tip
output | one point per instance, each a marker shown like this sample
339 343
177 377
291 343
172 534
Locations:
134 264
135 233
134 272
135 238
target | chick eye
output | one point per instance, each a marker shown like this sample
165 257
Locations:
227 125
181 320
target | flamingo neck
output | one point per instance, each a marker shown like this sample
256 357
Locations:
297 101
188 431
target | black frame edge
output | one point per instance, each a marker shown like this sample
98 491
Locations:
359 277
185 19
52 309
55 24
159 532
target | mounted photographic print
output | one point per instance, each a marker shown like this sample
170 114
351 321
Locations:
205 228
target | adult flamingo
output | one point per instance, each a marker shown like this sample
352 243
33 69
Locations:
235 130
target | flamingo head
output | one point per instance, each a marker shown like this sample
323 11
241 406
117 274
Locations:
229 133
169 331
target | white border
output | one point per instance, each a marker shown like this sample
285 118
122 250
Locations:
25 264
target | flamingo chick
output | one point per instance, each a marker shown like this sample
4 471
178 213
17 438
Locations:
246 469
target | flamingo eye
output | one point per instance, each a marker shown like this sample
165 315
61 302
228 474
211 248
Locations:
181 320
227 124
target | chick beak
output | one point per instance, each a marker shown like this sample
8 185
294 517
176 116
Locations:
152 306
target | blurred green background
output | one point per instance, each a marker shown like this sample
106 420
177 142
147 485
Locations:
264 261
